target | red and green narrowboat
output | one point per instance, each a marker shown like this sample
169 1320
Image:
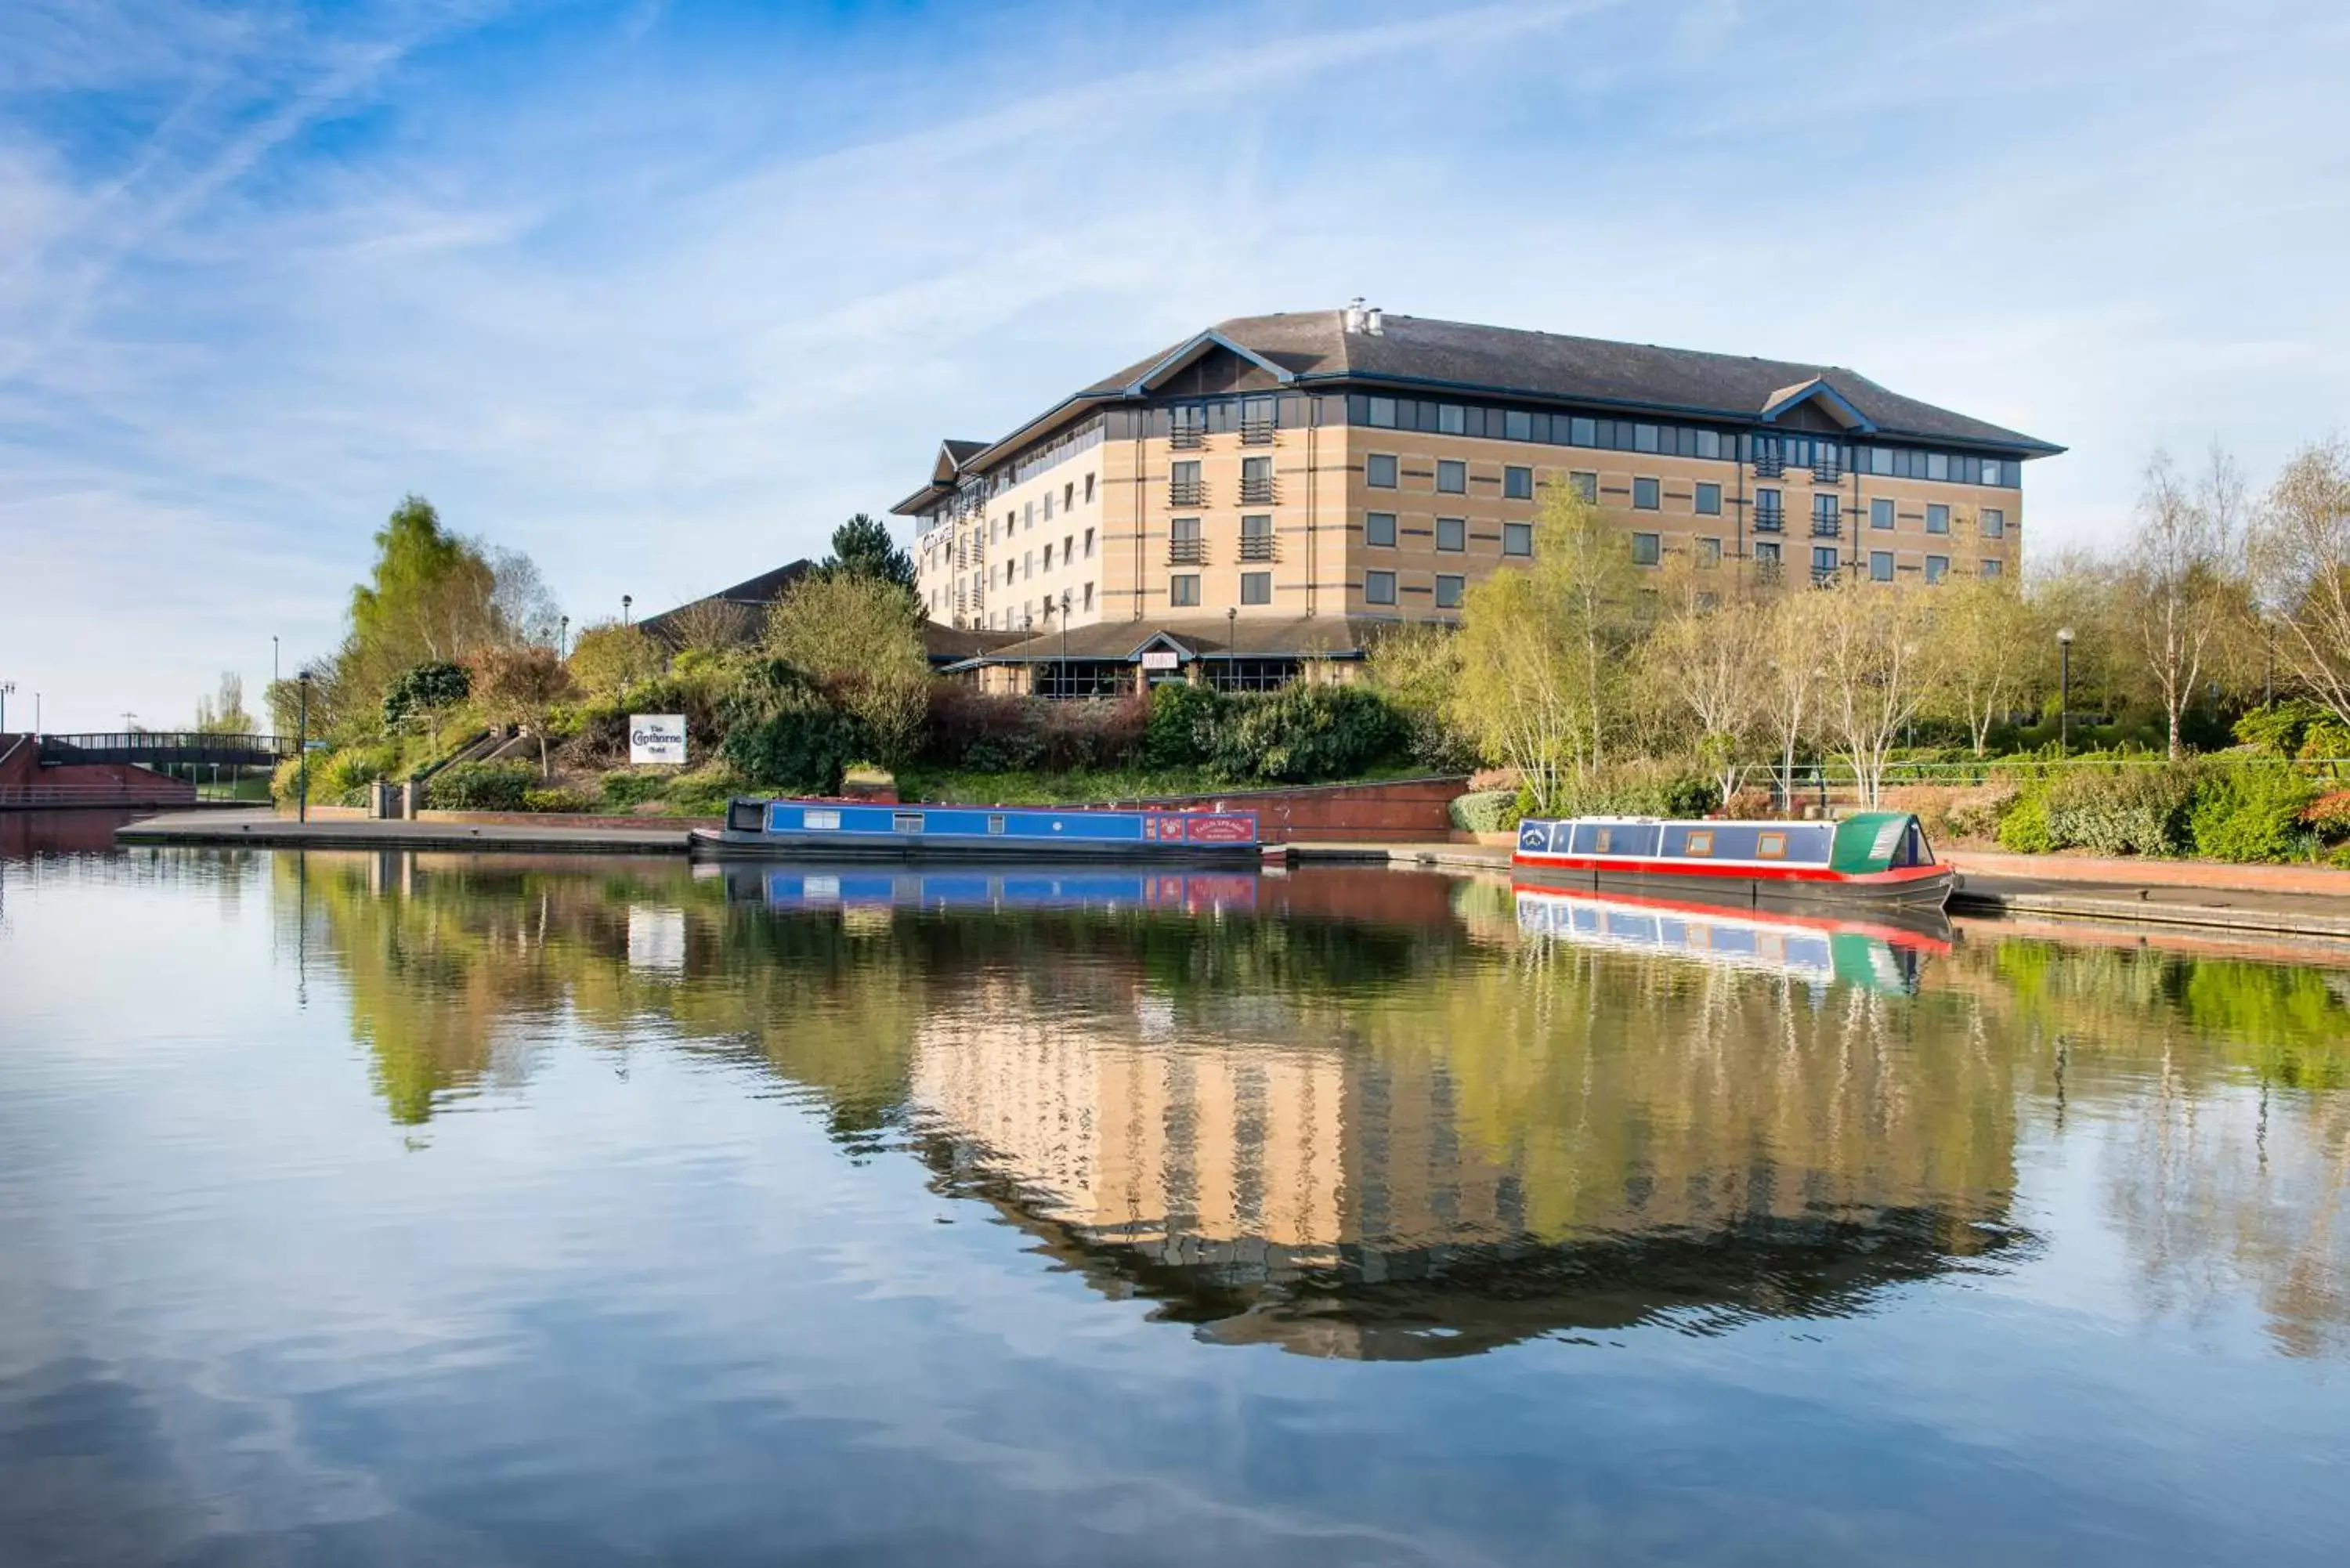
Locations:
1877 859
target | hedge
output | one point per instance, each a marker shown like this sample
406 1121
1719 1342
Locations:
482 786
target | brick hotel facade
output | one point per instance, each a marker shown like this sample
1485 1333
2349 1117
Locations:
1273 489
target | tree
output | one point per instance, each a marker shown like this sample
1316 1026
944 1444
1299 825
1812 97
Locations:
1417 669
608 657
2302 552
1709 660
856 636
1991 646
2177 578
425 691
429 598
1792 681
862 547
516 683
225 714
1875 650
1542 646
526 611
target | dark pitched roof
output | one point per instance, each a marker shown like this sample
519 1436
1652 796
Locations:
752 594
951 644
1257 636
1415 351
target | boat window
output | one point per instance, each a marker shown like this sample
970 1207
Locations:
1771 846
995 825
906 821
1601 840
744 816
821 821
1699 843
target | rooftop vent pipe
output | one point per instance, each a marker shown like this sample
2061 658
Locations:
1372 322
1355 314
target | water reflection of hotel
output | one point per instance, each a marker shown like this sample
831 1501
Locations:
1321 1194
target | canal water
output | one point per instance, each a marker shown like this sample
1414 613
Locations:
412 1208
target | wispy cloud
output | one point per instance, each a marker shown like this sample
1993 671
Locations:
659 293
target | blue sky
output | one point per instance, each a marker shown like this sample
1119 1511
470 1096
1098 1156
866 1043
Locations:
659 292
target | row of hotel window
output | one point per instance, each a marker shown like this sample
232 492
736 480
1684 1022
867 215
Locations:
1827 518
1679 440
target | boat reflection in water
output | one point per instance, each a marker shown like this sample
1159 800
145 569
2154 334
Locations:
1883 952
1367 1135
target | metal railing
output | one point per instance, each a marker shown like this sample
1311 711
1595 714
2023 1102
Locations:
1827 528
1826 473
1770 466
1257 546
1186 552
1187 437
1186 493
1256 492
1770 522
1256 432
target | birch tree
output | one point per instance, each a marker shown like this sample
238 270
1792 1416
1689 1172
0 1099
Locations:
1790 681
1711 661
1876 650
2302 552
2176 578
1990 650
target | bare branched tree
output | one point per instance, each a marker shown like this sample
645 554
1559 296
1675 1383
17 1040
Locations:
2302 553
2183 577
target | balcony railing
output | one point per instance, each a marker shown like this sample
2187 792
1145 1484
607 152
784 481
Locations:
1186 493
1827 528
1770 522
1257 546
1257 492
1186 552
1256 432
1769 464
1187 437
1826 473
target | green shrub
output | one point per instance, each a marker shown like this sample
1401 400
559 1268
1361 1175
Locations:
1304 733
1182 730
619 791
1645 787
482 786
1486 811
425 689
2023 826
2251 813
803 749
557 800
2139 810
2328 815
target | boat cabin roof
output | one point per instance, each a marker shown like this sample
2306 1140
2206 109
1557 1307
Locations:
1865 841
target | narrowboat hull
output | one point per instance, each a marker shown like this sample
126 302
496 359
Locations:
1918 888
830 830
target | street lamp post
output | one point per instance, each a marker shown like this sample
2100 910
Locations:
2063 690
563 639
273 659
1231 645
625 602
302 739
5 687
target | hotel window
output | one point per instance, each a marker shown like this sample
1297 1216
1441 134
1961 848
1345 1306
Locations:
1028 512
1645 495
1089 487
1069 496
1827 516
1880 566
1183 539
1048 507
1648 549
1256 588
1378 588
1451 533
1379 471
1766 553
1068 548
1824 562
1517 538
1090 544
1992 523
1587 485
1709 552
1380 528
1256 479
1451 419
1028 563
1644 438
1448 590
1709 501
1518 483
1515 426
1184 488
1089 595
1768 515
1256 537
1990 570
1451 478
1938 519
1381 412
1937 465
1183 590
1880 511
1048 558
1937 567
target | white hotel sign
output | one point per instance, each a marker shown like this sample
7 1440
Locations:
656 738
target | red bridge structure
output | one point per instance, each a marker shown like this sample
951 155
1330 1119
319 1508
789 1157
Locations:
129 768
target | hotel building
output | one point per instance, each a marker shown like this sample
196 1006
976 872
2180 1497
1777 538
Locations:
1273 489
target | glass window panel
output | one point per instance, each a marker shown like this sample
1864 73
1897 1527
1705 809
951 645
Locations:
1581 431
1517 538
1183 590
1586 485
1880 511
1937 567
1648 549
1938 519
1451 477
1645 495
1880 566
1709 500
1518 483
1451 419
1517 426
1256 588
1448 591
1378 588
1451 533
1937 465
1644 438
1709 444
1379 528
1378 471
1994 523
1383 413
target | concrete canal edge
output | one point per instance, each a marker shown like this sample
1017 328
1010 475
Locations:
2216 898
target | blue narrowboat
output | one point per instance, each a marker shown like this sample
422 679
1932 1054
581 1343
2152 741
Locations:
835 828
1875 859
1885 952
803 887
